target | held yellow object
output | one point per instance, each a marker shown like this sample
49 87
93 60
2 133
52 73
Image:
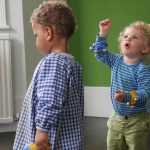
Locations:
133 99
30 147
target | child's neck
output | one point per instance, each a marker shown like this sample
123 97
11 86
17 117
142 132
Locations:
132 60
60 46
58 50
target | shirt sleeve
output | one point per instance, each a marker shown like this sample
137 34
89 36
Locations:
143 90
101 52
51 93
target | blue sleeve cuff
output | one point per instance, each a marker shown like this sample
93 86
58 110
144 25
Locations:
100 45
100 39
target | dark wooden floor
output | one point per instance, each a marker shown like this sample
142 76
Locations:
94 135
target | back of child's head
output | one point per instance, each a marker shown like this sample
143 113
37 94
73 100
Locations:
141 26
58 14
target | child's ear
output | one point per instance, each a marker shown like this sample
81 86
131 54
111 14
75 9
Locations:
146 50
49 33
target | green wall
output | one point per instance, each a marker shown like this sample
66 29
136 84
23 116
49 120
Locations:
89 13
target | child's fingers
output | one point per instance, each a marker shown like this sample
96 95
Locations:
43 147
105 22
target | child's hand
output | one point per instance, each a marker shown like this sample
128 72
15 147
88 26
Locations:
104 27
42 140
119 96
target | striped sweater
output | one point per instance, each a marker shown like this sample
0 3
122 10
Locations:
135 77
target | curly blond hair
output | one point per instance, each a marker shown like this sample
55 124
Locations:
140 25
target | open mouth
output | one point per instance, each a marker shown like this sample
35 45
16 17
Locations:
127 45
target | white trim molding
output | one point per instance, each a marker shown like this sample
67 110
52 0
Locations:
16 36
3 24
97 101
6 96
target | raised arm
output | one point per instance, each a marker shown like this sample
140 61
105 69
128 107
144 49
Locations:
100 45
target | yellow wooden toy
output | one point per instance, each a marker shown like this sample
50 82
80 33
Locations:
30 147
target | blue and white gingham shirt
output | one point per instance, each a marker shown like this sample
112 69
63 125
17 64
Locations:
54 103
135 77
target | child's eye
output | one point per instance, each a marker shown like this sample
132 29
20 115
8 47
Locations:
135 37
125 36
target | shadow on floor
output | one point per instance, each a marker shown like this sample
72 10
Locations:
95 132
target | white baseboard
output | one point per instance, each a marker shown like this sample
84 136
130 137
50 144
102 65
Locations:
97 101
8 127
97 104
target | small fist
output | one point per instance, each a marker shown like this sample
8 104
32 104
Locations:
105 22
104 27
119 96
